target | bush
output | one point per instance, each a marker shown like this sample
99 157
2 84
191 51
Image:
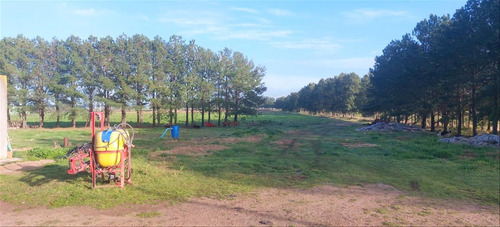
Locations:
47 153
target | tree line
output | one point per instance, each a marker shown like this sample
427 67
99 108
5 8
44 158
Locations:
445 71
74 76
340 94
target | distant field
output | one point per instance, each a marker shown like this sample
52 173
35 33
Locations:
268 150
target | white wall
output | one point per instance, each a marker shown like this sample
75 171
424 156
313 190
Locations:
3 117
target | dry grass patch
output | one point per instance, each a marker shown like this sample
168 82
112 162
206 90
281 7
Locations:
232 140
202 146
194 150
288 143
358 145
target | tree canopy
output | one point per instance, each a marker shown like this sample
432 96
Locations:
74 76
445 70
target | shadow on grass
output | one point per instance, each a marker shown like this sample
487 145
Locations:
50 173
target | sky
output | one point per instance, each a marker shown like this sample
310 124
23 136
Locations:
299 42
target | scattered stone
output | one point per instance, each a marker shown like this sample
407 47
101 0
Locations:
385 127
479 140
266 222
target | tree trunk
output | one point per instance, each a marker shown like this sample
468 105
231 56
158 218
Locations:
40 117
137 115
158 116
124 115
192 113
8 116
58 114
236 111
141 120
139 112
107 112
474 114
495 127
91 107
171 115
226 104
202 112
154 115
73 112
459 123
23 119
424 120
445 121
209 112
433 121
494 119
438 117
175 116
187 114
219 111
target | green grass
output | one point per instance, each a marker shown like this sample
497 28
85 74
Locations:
413 162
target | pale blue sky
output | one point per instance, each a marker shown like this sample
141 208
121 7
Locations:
297 41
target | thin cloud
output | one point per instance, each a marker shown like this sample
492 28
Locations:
205 30
279 12
366 15
256 34
187 21
347 63
318 45
223 27
185 18
247 10
91 12
252 25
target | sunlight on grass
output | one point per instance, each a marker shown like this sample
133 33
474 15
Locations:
294 150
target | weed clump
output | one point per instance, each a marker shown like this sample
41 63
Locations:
46 153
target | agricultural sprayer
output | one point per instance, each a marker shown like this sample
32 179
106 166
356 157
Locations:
107 156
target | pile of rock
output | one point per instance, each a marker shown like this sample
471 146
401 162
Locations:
479 140
382 126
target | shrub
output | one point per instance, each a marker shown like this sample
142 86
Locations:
47 153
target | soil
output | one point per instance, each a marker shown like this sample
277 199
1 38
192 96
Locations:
369 205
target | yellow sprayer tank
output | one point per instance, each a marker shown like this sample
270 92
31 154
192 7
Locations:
108 146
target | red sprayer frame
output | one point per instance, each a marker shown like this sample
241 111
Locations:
77 163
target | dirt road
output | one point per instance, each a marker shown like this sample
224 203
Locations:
372 205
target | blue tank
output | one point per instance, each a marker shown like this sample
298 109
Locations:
175 132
